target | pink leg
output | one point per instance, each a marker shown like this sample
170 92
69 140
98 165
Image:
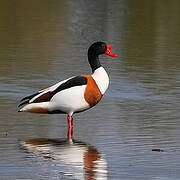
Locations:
70 121
70 127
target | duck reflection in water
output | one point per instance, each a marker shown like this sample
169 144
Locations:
82 159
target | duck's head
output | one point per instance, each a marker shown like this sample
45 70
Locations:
98 48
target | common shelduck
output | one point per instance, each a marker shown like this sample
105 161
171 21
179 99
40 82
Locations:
75 94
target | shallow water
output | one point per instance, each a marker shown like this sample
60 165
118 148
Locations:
133 133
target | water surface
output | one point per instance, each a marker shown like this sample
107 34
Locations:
133 133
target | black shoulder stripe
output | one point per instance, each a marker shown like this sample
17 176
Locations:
26 99
75 81
29 97
23 103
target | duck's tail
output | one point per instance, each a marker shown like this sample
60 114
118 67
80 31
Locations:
36 108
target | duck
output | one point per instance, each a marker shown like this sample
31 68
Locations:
75 94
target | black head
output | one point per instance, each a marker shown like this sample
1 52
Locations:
97 48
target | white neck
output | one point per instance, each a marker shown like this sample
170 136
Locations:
101 78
